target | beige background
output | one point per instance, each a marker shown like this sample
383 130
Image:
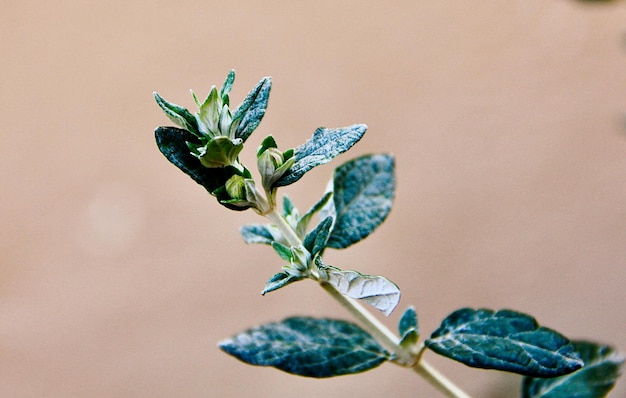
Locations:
119 275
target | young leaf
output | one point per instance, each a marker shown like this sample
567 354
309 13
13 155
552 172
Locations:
283 251
603 365
177 114
363 196
321 148
303 223
279 280
256 233
315 241
504 340
227 86
172 142
408 321
377 291
249 114
308 347
409 331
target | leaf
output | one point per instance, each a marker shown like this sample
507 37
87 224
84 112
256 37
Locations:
308 347
177 114
303 223
321 148
409 331
315 241
256 233
408 321
172 142
603 365
249 114
377 291
363 196
279 280
227 86
504 340
283 251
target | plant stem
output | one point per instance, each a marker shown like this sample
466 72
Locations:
379 331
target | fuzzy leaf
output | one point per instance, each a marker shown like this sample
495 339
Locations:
321 148
603 365
375 290
504 340
249 114
303 223
283 251
308 347
177 114
362 199
227 86
172 142
256 233
315 241
279 280
408 321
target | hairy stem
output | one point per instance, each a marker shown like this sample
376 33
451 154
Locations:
373 326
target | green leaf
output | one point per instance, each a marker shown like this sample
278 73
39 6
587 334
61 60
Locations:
504 340
408 327
283 251
249 114
603 365
227 86
209 113
221 151
321 148
408 321
172 142
279 280
256 233
308 347
363 196
303 223
315 241
177 114
375 290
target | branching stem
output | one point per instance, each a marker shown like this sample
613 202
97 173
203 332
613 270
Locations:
373 326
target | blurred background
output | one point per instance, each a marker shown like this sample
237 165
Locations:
119 275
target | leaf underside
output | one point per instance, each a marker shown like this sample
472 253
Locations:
308 347
504 340
363 196
603 365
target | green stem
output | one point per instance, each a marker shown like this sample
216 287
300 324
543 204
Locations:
379 331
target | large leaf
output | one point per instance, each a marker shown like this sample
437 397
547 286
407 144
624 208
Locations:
308 347
257 233
249 114
362 199
321 148
603 365
504 340
375 290
172 142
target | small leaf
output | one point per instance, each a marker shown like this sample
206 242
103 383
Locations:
504 340
279 280
303 223
362 199
377 291
256 233
227 86
315 241
221 151
603 365
321 148
409 331
249 114
172 142
308 347
408 321
177 114
283 251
